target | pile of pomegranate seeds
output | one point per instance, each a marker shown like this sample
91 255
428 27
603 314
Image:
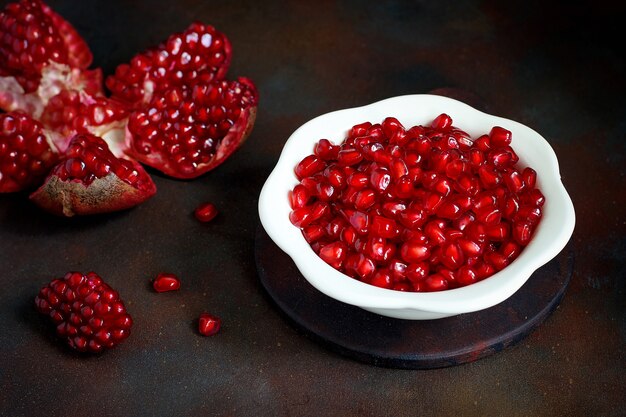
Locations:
419 209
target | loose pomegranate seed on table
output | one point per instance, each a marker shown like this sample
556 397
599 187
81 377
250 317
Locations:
205 212
419 209
208 324
166 282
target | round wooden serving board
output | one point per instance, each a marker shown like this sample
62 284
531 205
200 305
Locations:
409 344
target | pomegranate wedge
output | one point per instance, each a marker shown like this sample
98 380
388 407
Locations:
186 132
91 180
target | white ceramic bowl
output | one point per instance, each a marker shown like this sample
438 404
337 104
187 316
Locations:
550 237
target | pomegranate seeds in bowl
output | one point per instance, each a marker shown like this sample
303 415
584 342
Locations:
87 312
367 217
419 209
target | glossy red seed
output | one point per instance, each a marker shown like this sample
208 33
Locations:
382 279
334 254
414 251
522 232
309 166
349 156
209 324
166 282
299 196
530 177
436 282
442 122
500 137
326 150
384 227
452 256
206 212
466 276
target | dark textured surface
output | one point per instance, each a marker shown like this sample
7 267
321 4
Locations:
553 66
409 344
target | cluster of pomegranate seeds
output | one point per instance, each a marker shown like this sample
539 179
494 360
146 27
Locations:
25 154
88 157
72 111
209 324
165 282
419 209
184 132
88 313
200 54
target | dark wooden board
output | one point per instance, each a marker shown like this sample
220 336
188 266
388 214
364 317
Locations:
409 344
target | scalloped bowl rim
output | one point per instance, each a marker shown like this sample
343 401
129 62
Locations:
551 236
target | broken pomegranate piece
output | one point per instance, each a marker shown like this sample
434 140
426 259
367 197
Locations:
91 180
26 156
87 312
41 54
186 132
419 209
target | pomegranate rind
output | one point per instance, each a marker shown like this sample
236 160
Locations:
103 195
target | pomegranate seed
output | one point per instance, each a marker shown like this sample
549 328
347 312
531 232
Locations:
326 150
334 254
299 196
499 137
466 276
436 282
414 251
206 212
452 255
384 227
309 166
530 177
166 282
442 122
382 279
209 324
522 232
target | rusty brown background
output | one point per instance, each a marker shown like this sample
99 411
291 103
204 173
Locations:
554 66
